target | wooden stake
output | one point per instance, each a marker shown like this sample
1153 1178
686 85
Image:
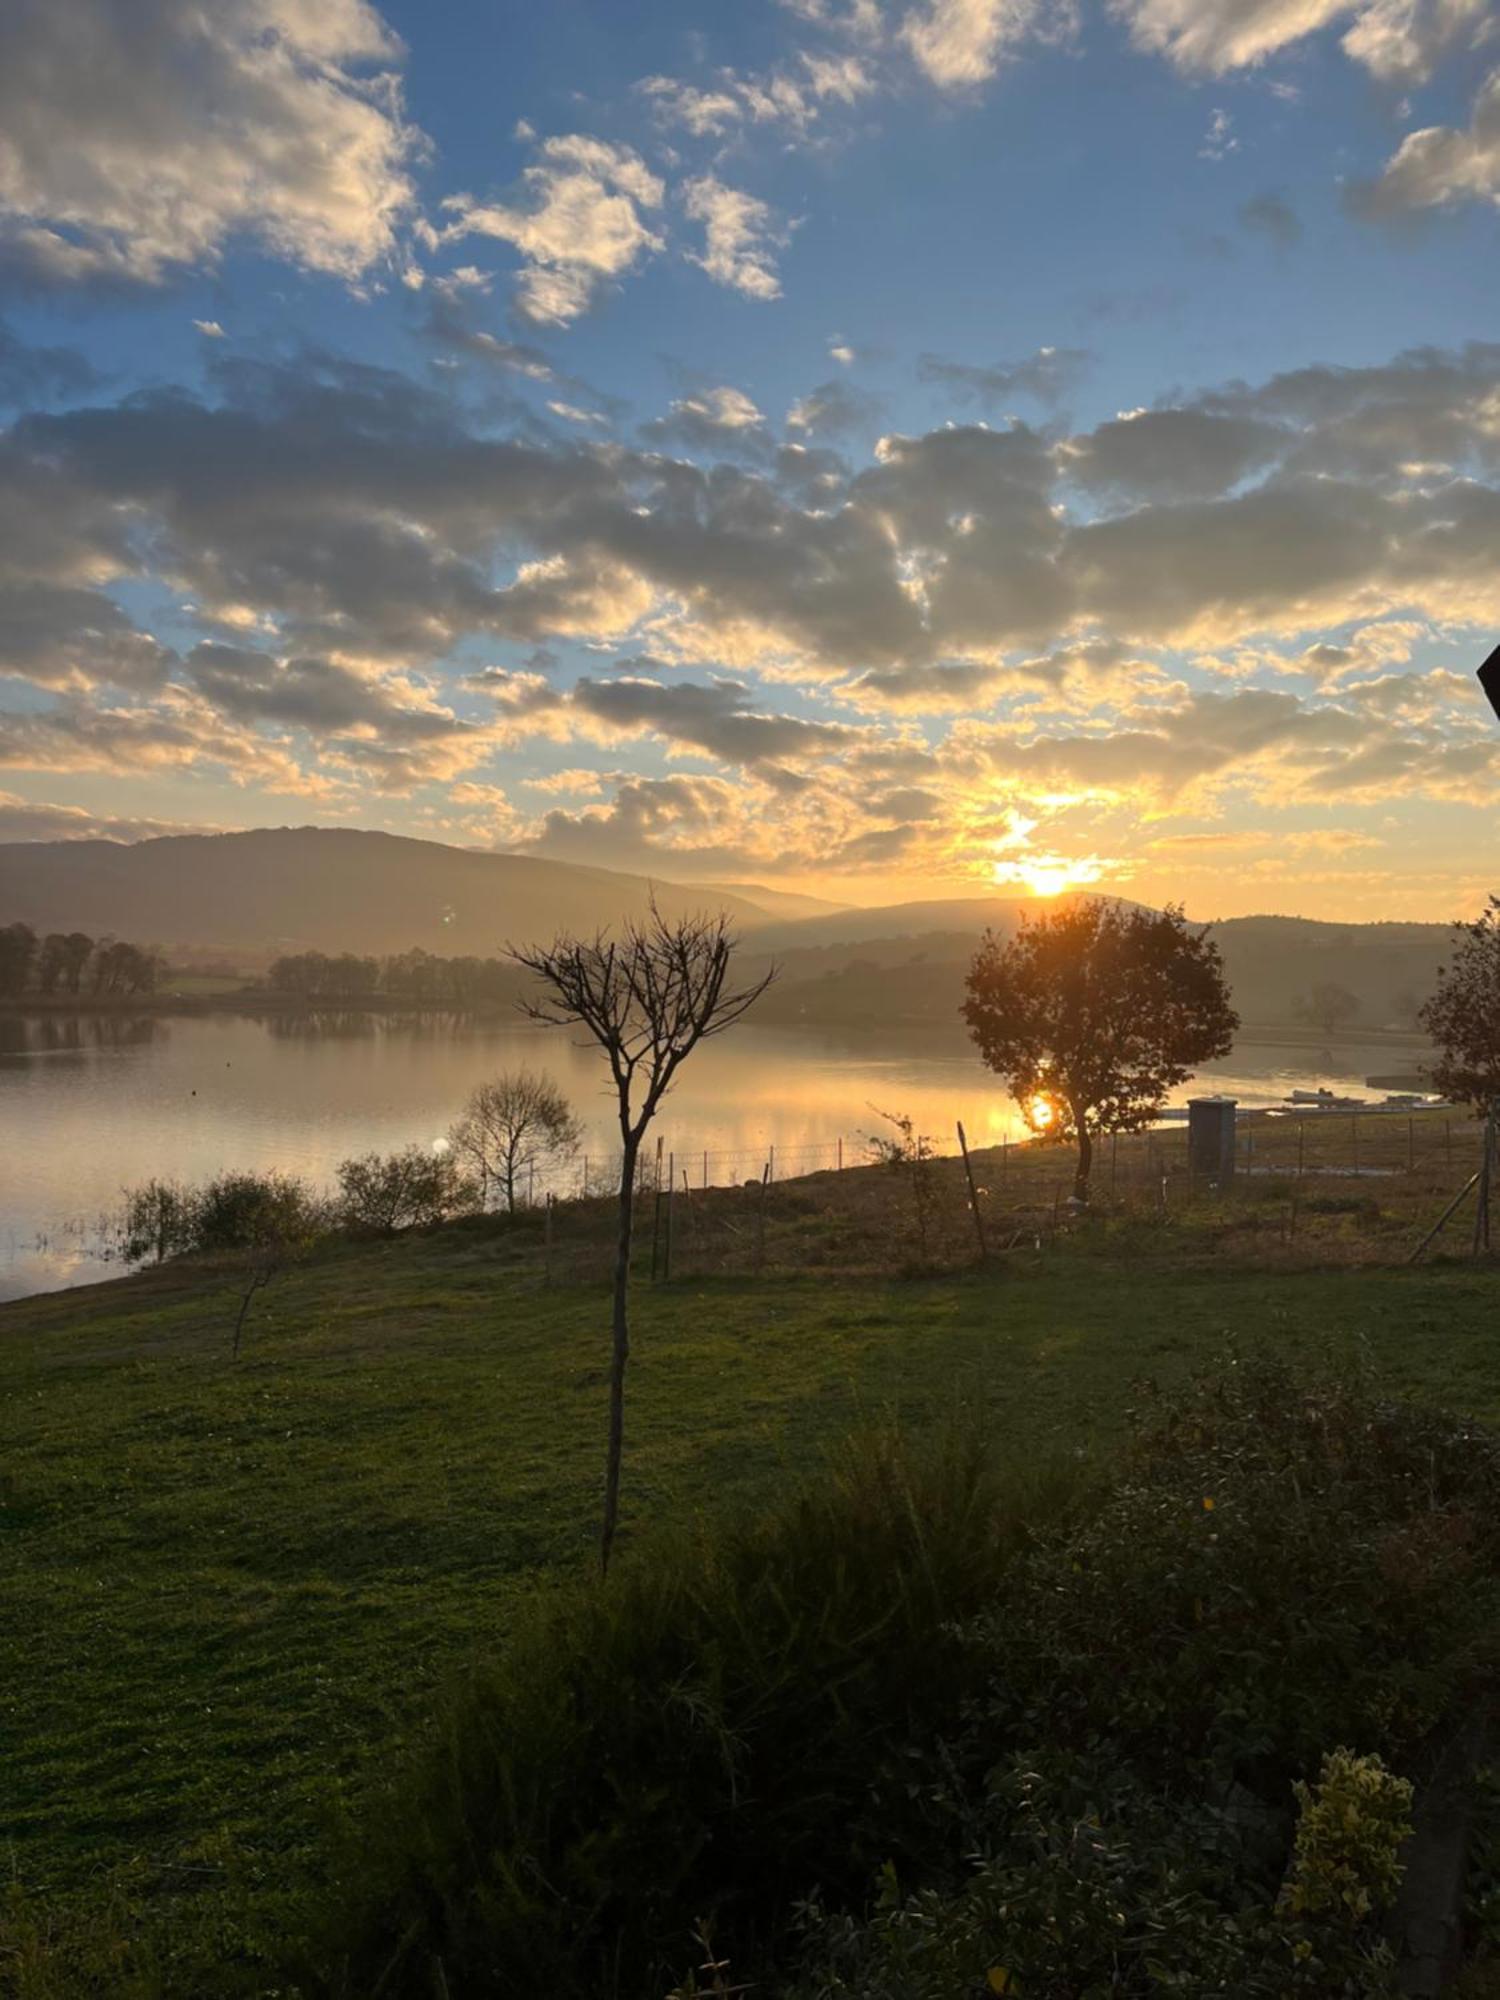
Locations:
760 1221
547 1243
963 1146
1354 1136
666 1267
1301 1135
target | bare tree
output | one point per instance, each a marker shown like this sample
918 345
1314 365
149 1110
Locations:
647 998
509 1126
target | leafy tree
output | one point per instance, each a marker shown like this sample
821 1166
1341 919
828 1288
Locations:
511 1125
412 1189
17 951
648 998
1463 1015
78 948
1092 1012
1329 1006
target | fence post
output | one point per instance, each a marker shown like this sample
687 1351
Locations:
1354 1135
1301 1135
841 1153
705 1166
1114 1160
666 1263
963 1146
771 1165
547 1242
760 1220
585 1176
656 1216
1411 1145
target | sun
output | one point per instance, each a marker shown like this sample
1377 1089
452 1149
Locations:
1049 874
1046 878
1040 1113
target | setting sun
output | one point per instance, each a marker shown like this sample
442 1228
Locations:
1048 874
1040 1113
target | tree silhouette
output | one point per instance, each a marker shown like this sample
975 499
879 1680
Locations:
1329 1006
1463 1015
508 1126
648 999
1092 1013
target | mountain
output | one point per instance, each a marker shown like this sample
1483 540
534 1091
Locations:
781 905
247 897
903 965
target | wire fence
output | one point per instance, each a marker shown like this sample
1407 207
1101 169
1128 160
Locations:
1356 1185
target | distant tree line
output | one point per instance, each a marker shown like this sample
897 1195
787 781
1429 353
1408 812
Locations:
73 962
417 977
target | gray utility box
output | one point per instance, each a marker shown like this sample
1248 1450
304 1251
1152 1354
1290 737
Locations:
1211 1137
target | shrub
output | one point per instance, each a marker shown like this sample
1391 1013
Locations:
413 1189
157 1222
243 1211
1059 1737
726 1723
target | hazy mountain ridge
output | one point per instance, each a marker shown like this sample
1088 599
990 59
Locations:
251 896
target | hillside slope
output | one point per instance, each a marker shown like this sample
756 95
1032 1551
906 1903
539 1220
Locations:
253 895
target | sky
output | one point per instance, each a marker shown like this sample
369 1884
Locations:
876 448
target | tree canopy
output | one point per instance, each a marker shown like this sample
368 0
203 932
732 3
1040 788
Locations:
1463 1015
1093 1011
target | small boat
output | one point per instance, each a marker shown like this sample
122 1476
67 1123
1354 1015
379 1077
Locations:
1325 1100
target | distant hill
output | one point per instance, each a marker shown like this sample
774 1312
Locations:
903 965
247 897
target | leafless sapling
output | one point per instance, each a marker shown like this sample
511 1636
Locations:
647 998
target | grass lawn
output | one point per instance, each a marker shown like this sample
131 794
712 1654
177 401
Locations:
229 1585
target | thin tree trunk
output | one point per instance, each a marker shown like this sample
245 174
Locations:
620 1354
1085 1162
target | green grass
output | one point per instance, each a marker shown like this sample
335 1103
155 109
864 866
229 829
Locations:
230 1587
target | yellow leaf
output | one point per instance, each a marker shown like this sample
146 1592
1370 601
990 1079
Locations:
999 1979
1208 1505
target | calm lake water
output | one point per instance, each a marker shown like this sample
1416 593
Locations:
90 1104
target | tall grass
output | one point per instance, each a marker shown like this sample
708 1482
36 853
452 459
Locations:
731 1721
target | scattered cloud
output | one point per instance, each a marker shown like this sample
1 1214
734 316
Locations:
740 237
1047 377
279 120
1439 166
1272 216
578 223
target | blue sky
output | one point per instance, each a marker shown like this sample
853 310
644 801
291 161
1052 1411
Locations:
886 447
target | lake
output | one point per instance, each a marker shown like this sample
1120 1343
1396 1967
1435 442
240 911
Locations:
93 1103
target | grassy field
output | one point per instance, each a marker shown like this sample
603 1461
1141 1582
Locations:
230 1586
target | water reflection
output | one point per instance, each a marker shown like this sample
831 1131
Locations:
24 1035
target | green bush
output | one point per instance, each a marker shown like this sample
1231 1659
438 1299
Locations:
243 1211
380 1193
723 1726
924 1732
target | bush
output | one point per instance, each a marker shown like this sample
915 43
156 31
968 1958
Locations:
413 1189
157 1222
251 1212
724 1725
926 1735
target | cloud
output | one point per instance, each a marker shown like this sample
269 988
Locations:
959 44
31 375
1171 454
209 328
1439 166
1397 40
715 417
36 819
740 237
138 142
1272 216
1219 140
833 409
1047 376
578 224
794 96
